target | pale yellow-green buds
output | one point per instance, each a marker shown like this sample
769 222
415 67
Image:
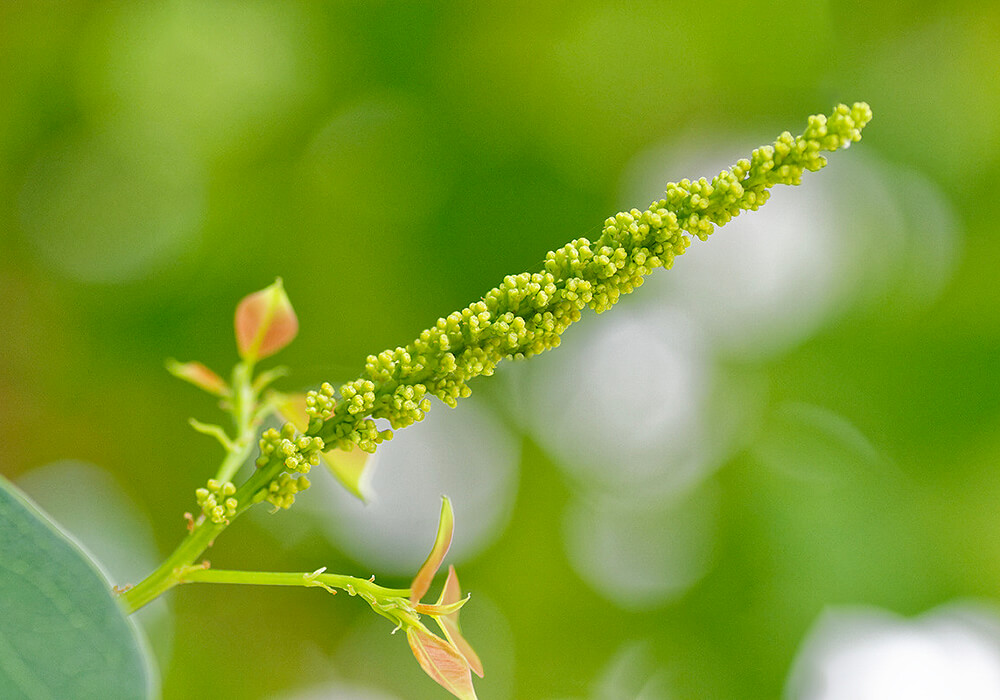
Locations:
216 501
526 313
349 464
281 492
298 453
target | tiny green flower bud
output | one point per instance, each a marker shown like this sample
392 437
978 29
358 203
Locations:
265 323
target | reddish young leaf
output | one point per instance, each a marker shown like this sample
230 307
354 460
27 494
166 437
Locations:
451 594
265 322
198 374
442 662
446 527
438 609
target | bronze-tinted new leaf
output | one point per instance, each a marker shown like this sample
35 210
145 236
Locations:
450 594
446 527
201 376
442 662
265 322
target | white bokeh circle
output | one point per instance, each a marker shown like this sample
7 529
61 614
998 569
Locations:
870 654
622 405
641 556
337 691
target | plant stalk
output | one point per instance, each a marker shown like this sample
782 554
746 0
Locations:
350 584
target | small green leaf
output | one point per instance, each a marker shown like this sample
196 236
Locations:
62 633
446 528
439 609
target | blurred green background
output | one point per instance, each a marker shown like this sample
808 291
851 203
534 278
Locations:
803 415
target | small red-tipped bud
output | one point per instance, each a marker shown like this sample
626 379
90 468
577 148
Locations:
199 375
265 323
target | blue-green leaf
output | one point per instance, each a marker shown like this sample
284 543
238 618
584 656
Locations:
62 633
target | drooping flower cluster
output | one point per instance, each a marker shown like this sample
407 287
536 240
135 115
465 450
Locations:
527 313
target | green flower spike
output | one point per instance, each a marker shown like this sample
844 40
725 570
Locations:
216 501
525 315
528 312
297 455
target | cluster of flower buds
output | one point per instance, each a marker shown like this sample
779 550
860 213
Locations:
282 489
523 316
526 314
348 464
321 403
216 501
297 453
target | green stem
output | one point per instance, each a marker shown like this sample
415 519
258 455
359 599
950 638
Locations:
204 533
165 576
235 458
244 408
351 584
